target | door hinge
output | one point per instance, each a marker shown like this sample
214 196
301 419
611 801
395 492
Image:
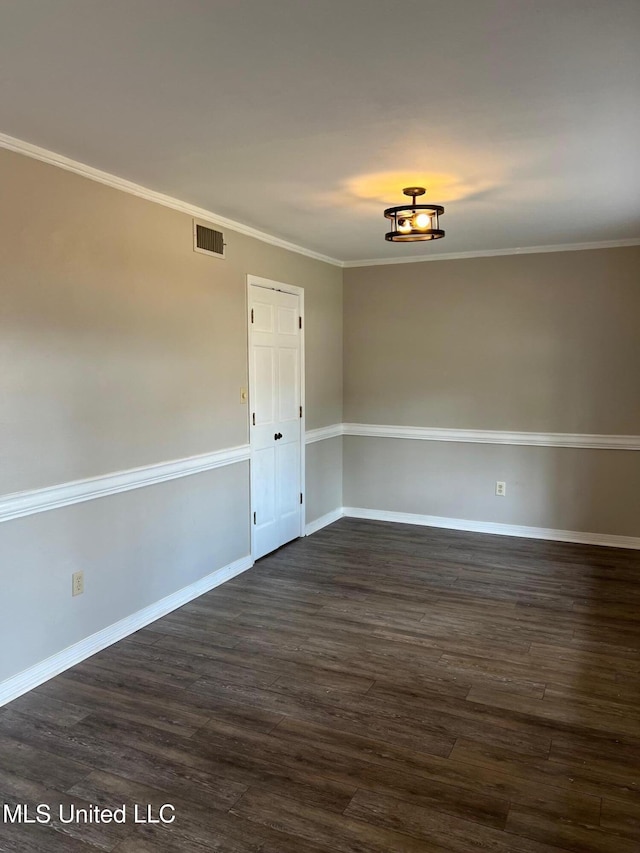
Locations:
252 315
254 518
299 322
300 497
253 417
300 411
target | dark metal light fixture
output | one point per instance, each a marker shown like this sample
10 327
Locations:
411 222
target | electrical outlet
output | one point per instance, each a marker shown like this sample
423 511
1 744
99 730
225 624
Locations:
501 488
77 583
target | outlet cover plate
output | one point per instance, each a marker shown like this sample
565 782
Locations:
77 583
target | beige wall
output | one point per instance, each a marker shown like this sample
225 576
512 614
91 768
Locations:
120 347
539 342
124 347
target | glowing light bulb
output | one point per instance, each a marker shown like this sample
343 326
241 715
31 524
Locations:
422 221
404 226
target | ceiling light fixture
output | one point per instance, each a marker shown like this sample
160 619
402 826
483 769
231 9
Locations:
411 222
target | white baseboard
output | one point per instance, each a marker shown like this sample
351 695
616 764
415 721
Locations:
608 540
24 681
605 539
323 521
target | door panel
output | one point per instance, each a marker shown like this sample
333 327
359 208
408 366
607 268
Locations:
265 464
264 396
288 321
263 314
288 385
288 462
275 394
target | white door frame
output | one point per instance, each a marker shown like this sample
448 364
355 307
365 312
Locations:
270 284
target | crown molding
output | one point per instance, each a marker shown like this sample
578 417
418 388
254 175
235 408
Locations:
11 143
494 253
20 146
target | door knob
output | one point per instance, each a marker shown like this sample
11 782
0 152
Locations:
277 436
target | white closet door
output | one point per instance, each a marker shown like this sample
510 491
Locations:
274 396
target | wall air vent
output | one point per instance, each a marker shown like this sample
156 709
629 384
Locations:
207 240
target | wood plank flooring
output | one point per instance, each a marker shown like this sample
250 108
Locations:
372 688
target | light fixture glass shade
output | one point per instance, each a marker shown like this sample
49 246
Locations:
410 223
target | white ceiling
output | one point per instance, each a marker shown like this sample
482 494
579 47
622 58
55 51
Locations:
304 118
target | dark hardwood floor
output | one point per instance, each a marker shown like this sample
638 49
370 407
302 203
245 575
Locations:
372 688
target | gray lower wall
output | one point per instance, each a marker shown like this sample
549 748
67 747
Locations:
591 491
135 548
324 477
